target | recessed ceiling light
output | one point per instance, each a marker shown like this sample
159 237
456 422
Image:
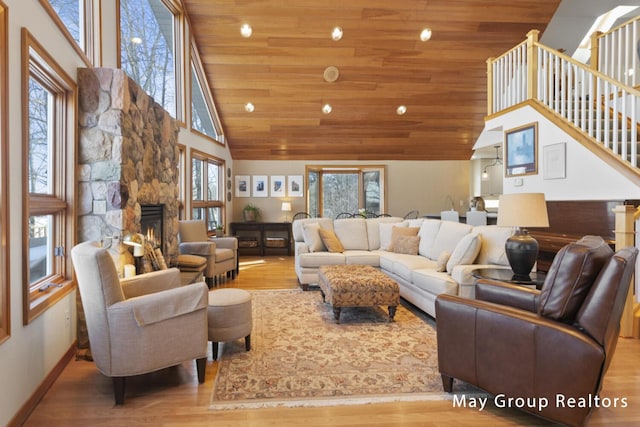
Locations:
136 40
401 110
326 108
425 34
336 34
246 30
331 74
249 107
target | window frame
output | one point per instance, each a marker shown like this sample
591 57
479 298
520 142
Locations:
346 169
38 64
179 30
88 52
208 159
5 307
197 67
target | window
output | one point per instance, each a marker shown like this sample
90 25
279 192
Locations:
150 49
48 140
74 18
5 330
202 119
207 190
333 190
181 179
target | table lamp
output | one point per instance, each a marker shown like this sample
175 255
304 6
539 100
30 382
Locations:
137 241
286 207
522 210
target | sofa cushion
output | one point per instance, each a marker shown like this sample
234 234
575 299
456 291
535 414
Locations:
466 251
386 231
493 241
373 229
407 245
362 258
441 263
572 272
317 259
402 264
311 233
398 232
449 234
352 233
330 240
434 282
428 232
298 226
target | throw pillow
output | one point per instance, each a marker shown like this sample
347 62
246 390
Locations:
397 232
330 240
465 252
311 234
407 245
442 261
385 234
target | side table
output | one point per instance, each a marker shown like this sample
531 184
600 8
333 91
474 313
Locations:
535 279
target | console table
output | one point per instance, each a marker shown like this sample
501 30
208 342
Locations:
535 279
262 238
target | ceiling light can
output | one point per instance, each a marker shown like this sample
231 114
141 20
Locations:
331 74
249 107
326 108
401 110
425 34
246 30
336 34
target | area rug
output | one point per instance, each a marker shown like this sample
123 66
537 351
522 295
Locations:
301 357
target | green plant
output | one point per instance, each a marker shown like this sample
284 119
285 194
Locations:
251 212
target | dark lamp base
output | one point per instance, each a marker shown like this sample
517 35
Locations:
522 253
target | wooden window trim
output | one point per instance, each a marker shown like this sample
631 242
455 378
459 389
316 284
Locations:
39 64
5 307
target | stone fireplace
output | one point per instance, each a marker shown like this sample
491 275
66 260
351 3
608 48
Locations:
128 158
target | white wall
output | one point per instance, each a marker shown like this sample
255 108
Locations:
587 176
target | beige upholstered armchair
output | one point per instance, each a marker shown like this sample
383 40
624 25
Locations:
221 252
140 324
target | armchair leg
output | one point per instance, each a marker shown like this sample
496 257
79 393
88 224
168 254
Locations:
209 282
201 365
447 383
214 350
247 342
118 389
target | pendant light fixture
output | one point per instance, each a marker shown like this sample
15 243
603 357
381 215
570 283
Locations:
496 162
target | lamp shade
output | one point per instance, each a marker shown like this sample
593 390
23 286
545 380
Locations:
286 207
523 210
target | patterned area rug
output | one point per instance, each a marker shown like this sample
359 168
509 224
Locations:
301 357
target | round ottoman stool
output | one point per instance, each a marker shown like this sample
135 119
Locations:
229 317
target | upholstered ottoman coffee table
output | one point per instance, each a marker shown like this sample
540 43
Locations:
357 286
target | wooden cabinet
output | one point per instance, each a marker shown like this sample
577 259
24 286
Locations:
262 238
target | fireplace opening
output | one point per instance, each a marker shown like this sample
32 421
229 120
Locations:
151 224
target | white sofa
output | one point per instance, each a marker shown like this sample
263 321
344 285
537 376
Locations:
366 241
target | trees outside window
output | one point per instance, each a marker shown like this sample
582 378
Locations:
150 40
202 111
74 17
207 190
333 190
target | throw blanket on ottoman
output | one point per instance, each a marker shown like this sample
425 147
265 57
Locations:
357 286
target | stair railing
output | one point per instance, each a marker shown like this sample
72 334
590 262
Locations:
616 52
599 106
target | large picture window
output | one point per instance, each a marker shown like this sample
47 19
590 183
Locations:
5 329
150 53
48 135
75 19
202 111
333 190
207 190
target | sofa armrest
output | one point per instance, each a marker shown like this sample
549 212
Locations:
507 294
225 242
205 249
149 283
466 282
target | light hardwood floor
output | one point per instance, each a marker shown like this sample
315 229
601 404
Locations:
173 397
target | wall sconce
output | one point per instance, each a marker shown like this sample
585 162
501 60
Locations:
496 162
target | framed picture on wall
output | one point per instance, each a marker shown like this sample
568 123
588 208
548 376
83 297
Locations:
295 185
278 186
521 150
243 186
554 161
259 185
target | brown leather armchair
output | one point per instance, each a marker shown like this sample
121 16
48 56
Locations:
546 347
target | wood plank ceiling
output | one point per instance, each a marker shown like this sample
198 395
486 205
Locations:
382 64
